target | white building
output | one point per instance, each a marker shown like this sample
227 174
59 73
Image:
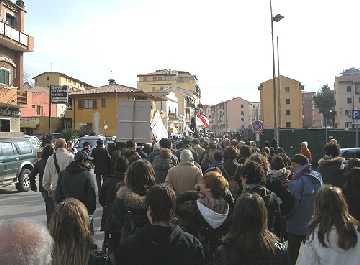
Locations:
347 97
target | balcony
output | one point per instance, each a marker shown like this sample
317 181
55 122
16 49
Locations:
14 39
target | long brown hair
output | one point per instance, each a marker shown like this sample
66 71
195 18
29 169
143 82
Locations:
248 233
331 210
70 230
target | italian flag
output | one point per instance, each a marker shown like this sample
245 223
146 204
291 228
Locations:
202 120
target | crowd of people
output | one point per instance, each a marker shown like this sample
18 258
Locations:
191 201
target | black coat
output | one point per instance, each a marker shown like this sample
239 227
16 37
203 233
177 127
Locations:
38 169
161 246
77 182
228 254
332 171
102 161
107 197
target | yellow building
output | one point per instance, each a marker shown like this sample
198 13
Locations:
48 79
289 103
184 84
96 109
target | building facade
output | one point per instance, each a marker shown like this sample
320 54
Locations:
14 42
311 114
48 79
347 97
255 111
95 109
289 103
183 84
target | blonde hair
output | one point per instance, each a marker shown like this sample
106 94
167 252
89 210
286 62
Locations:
70 230
216 182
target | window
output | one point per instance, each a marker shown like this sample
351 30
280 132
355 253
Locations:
288 112
4 125
287 89
288 124
242 113
242 106
103 102
6 149
348 89
287 101
349 100
33 106
69 106
11 20
347 113
39 110
242 119
87 104
161 88
47 78
4 77
24 148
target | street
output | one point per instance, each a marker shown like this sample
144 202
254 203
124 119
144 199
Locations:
16 205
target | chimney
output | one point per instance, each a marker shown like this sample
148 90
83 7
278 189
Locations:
112 81
20 3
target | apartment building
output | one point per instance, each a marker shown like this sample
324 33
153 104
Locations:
183 84
14 42
48 79
312 116
347 97
288 104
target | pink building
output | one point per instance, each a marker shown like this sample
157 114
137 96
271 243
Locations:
37 104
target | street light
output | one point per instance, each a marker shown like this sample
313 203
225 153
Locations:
276 18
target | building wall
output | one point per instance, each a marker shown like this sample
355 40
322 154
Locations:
8 95
290 89
38 97
308 109
347 87
238 115
8 62
14 123
255 111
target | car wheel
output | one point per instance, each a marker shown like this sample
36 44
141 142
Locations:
24 180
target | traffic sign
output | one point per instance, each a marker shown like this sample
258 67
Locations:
356 114
59 94
258 126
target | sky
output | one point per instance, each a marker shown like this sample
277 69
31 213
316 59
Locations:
226 44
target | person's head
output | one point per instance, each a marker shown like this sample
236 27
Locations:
140 176
82 158
249 225
332 150
262 160
245 151
331 210
60 143
196 141
303 146
100 143
131 145
186 156
70 228
120 166
161 204
253 173
47 151
218 156
24 243
165 143
230 153
333 141
277 163
213 185
87 146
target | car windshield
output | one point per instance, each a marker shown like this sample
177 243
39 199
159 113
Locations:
92 142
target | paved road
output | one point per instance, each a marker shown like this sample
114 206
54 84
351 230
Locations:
16 205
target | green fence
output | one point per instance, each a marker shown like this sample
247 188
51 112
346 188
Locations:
290 139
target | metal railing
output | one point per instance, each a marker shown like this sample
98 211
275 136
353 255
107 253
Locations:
14 34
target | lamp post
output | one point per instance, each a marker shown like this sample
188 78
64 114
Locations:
276 18
326 125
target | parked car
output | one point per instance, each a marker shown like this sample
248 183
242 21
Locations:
349 153
34 141
17 158
90 139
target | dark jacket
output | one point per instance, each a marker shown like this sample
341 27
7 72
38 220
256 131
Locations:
272 203
102 160
162 163
192 220
228 254
107 197
332 170
353 199
126 204
77 182
152 155
229 166
161 246
38 169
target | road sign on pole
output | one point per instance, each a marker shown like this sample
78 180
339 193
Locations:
356 114
59 94
258 126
